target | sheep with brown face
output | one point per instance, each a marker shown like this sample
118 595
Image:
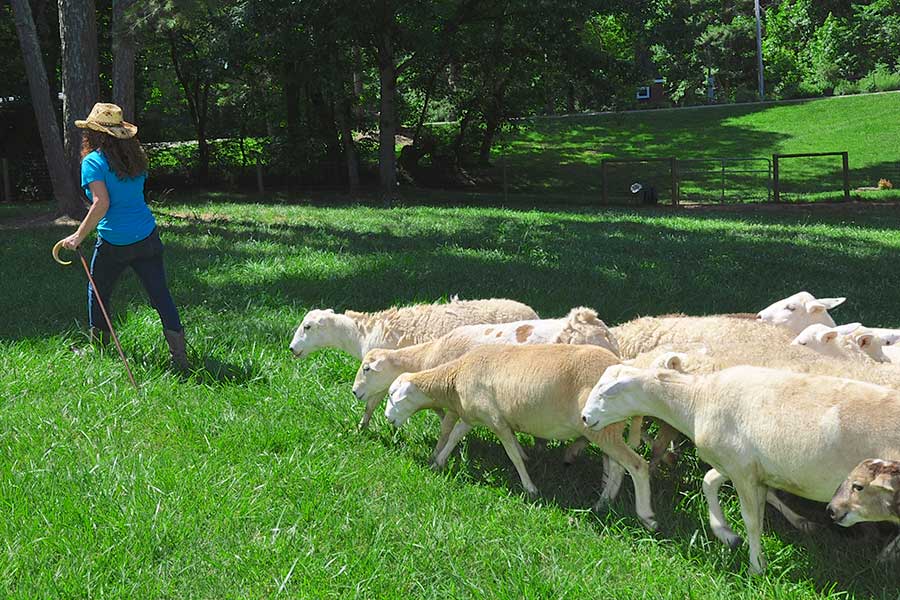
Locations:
870 493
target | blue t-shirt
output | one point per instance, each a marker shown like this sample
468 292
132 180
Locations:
128 219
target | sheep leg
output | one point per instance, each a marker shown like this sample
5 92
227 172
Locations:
447 423
574 450
371 404
459 431
514 451
610 441
753 507
890 551
798 521
712 481
664 438
634 431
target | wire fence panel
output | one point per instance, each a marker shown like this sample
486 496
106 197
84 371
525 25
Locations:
729 179
811 176
639 180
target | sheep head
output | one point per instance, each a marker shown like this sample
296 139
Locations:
799 311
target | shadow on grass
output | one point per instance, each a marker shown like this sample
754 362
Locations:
820 557
623 264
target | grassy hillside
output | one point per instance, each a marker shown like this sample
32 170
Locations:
562 155
250 480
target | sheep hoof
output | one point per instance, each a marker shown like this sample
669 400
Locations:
436 466
807 526
650 523
600 505
532 493
734 542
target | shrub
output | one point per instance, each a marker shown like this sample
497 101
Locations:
880 79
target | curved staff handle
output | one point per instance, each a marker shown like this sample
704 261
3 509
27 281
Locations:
112 332
55 252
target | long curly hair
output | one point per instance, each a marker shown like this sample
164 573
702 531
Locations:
126 157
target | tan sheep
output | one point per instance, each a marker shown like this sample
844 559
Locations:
761 428
356 332
381 366
646 333
538 390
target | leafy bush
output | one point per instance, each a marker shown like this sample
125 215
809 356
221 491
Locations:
881 79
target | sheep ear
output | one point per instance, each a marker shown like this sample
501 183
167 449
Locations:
828 336
615 387
848 328
815 307
375 365
885 481
671 360
831 302
865 340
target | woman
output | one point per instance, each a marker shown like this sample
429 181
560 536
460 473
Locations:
113 171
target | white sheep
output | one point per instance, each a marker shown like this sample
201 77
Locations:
356 332
889 339
538 390
381 366
646 333
850 342
759 427
799 311
718 353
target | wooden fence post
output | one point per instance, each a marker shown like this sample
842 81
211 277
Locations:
604 175
674 169
7 185
776 186
846 160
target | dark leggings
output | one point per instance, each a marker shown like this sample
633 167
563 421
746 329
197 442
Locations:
145 257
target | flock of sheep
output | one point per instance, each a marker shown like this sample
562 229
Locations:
782 399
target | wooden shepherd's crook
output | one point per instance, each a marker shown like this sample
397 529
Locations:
112 331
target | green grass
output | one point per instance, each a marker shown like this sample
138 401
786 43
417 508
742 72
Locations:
258 485
562 156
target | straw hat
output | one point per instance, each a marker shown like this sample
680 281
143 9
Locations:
107 118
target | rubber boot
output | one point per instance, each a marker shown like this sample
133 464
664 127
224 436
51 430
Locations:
177 350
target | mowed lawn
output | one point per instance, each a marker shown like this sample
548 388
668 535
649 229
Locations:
250 479
561 156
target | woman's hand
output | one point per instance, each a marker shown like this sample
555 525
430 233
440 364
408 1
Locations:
73 241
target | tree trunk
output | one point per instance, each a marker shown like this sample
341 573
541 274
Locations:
67 196
387 120
196 92
80 72
344 114
491 124
123 50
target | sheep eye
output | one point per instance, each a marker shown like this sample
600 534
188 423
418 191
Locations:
307 326
857 487
802 343
791 307
366 368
